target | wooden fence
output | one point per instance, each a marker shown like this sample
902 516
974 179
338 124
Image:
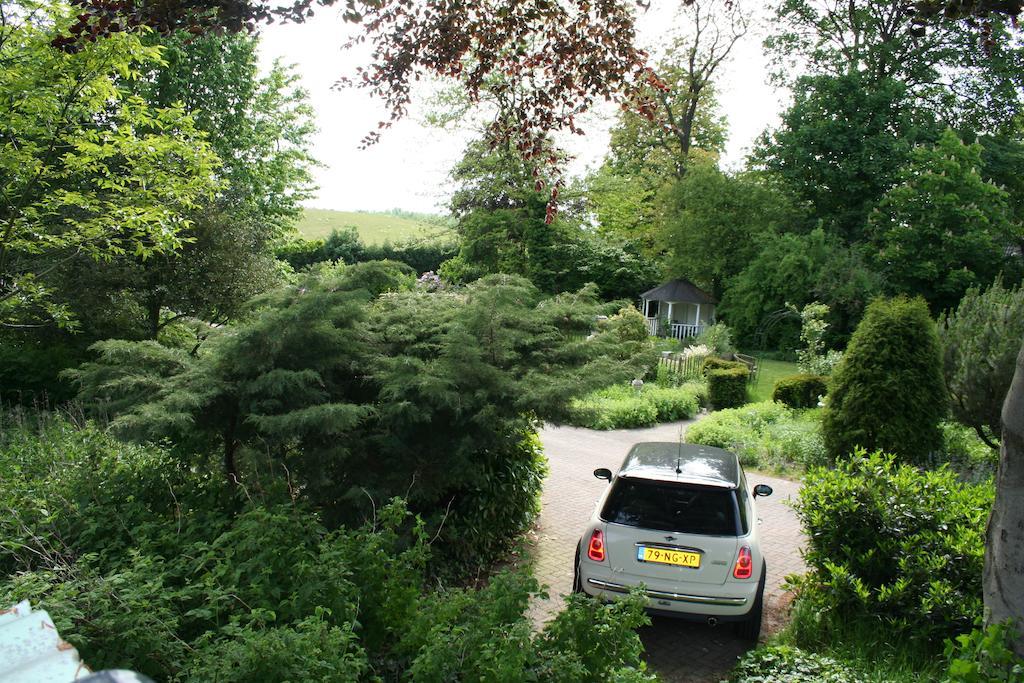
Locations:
692 367
686 367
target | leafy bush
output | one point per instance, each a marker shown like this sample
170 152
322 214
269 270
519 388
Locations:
718 338
727 388
345 246
249 585
628 324
623 407
764 435
786 664
985 655
894 547
800 391
981 340
888 391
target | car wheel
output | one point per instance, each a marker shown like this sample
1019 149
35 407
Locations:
577 583
750 628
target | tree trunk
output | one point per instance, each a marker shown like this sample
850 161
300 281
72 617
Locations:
154 305
230 468
1003 580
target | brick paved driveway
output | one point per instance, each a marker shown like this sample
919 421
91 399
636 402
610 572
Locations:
677 650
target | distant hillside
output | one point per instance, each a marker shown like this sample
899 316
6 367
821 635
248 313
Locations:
374 228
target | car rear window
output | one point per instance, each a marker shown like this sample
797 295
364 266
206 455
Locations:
671 507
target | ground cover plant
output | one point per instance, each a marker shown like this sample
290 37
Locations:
623 407
787 664
767 436
149 564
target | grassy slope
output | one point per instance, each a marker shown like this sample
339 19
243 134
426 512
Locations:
374 228
771 371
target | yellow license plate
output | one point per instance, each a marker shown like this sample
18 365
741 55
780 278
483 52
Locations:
680 558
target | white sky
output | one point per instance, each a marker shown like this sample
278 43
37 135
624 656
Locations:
409 168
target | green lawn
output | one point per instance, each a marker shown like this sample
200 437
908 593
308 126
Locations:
374 228
770 372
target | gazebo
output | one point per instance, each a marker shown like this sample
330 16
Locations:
677 309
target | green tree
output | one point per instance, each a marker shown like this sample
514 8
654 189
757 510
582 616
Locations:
501 219
888 393
876 40
943 229
652 146
980 342
88 170
709 209
260 127
841 144
794 269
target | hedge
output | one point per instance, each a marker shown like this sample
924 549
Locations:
800 391
727 388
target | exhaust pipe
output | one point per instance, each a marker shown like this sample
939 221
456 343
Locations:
712 621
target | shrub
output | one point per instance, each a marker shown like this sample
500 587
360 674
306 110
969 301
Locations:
764 435
981 340
813 359
718 338
800 391
623 407
727 388
894 548
786 664
888 392
628 325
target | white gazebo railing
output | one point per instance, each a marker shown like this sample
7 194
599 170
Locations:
652 327
684 331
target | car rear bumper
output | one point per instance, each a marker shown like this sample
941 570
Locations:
726 602
722 601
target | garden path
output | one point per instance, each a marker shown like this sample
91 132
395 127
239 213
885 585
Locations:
675 649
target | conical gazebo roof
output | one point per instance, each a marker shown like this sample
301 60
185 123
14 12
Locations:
679 291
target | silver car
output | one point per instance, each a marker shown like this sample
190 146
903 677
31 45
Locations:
679 520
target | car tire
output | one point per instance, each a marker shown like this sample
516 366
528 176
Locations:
577 583
750 628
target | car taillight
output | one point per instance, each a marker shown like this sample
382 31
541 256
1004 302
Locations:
744 564
595 550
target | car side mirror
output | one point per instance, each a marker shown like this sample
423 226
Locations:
603 473
762 490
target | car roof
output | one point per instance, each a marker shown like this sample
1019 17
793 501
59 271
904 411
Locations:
685 463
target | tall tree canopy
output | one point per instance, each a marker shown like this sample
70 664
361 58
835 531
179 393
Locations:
707 209
841 144
260 127
88 171
943 229
942 65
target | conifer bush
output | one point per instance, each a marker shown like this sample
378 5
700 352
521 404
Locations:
981 340
888 392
